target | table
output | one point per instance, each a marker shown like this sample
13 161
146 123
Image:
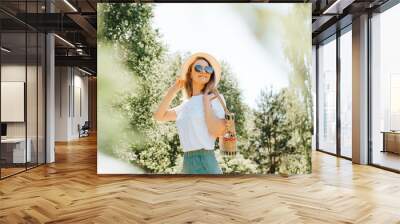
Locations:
13 150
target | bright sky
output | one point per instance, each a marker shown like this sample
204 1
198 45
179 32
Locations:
219 30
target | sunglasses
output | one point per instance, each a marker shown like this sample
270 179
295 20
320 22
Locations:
207 69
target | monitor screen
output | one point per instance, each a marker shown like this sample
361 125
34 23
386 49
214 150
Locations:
3 129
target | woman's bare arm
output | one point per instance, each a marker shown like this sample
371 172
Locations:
215 125
163 113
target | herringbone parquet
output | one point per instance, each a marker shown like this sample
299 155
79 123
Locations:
70 191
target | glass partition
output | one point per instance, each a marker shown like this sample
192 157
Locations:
14 154
22 77
327 96
346 94
385 89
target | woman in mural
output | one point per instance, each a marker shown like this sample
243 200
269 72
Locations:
200 117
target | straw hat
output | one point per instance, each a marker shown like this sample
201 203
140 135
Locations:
214 63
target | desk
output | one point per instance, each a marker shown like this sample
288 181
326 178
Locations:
391 141
15 148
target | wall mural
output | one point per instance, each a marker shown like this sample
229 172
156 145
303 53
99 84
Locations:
204 88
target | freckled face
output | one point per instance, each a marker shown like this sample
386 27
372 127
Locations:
200 77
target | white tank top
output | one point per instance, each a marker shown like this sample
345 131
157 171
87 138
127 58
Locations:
191 123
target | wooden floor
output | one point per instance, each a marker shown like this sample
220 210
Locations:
10 171
70 191
387 159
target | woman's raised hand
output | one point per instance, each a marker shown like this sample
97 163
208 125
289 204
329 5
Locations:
163 113
178 85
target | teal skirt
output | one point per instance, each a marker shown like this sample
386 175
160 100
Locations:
200 162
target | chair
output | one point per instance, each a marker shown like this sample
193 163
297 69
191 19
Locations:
84 130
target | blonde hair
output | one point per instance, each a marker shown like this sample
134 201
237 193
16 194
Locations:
188 89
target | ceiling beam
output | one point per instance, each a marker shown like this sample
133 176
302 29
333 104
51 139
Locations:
319 23
337 6
81 61
49 22
86 27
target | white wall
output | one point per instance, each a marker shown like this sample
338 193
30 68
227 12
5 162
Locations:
70 83
79 117
62 81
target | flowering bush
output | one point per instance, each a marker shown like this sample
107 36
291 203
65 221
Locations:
177 168
236 164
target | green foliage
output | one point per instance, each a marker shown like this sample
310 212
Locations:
129 26
282 132
297 50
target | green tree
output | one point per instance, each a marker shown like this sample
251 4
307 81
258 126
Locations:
291 31
278 134
229 88
128 27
